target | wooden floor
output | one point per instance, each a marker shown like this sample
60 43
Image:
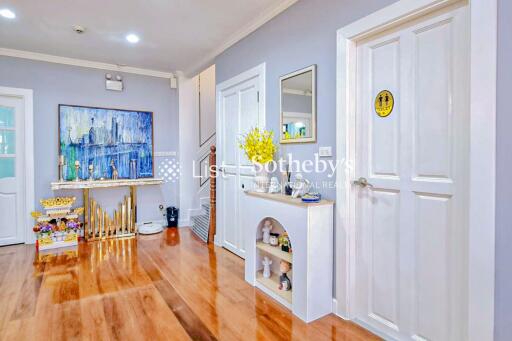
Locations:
168 286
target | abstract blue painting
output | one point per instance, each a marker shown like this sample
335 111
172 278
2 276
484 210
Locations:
98 136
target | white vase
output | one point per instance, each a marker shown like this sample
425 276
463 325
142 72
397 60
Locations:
266 267
261 180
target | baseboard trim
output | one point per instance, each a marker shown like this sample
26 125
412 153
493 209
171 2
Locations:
216 241
336 310
373 330
358 322
184 223
195 212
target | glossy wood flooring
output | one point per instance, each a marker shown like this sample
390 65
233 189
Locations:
168 286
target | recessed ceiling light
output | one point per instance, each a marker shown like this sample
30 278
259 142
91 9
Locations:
133 38
7 13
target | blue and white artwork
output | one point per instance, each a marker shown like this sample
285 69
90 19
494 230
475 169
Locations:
98 136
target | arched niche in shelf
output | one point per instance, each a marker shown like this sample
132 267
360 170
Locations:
275 254
277 227
310 229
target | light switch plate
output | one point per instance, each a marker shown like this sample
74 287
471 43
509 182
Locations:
325 151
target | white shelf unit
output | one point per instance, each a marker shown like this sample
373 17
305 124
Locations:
310 229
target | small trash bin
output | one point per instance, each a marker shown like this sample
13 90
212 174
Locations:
172 216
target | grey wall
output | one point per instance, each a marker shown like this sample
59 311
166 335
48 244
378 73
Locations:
54 83
303 35
503 300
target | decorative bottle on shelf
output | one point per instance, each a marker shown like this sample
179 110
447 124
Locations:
91 172
62 164
284 282
77 169
115 173
133 169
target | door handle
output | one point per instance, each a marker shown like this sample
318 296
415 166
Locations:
362 182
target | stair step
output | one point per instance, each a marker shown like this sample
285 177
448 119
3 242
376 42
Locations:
201 224
202 218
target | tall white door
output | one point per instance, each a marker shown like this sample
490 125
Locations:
412 138
11 170
240 111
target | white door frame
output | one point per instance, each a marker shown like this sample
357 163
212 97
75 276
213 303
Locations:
27 96
481 266
257 71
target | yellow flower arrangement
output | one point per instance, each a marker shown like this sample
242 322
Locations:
259 146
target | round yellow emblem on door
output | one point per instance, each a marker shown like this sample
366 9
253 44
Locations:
384 103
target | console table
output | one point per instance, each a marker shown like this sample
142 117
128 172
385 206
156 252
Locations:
310 230
97 223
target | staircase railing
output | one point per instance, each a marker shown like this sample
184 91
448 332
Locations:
213 194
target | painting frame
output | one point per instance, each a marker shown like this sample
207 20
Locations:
121 110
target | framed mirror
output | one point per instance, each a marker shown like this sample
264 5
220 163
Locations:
298 106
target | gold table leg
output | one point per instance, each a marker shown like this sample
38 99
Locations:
86 213
133 196
98 225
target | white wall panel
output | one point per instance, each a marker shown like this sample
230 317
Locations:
384 248
385 139
432 272
231 103
433 98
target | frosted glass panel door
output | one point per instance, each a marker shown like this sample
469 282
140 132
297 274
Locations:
7 142
11 166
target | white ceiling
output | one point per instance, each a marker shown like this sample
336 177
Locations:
176 35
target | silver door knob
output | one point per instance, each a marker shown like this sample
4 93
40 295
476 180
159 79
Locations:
362 182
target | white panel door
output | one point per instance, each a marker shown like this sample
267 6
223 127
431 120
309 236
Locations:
240 111
11 170
412 216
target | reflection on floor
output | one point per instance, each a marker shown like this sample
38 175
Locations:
168 286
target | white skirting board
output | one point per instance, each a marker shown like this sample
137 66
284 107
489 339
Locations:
184 223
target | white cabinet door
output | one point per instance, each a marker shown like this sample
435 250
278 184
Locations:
412 218
11 170
239 111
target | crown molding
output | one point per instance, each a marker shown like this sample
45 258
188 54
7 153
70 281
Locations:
244 32
83 63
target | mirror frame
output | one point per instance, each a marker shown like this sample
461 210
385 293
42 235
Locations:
311 139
